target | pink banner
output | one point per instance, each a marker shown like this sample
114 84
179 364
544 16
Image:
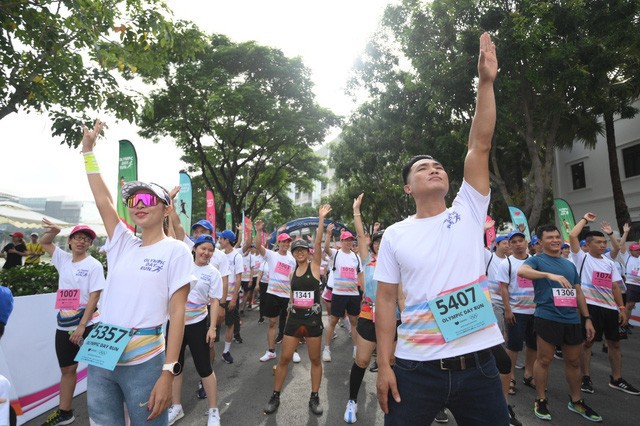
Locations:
211 209
490 233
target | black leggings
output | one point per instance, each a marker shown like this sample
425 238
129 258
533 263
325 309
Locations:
195 335
503 362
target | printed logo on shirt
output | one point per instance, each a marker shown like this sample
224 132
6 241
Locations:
153 265
82 272
452 219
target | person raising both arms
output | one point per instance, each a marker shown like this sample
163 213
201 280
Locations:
148 281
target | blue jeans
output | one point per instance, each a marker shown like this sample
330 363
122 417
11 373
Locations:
474 396
107 391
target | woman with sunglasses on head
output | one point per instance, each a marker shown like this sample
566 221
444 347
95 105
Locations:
207 290
305 316
80 282
148 280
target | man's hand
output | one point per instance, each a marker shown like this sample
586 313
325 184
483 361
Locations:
376 227
76 336
51 228
211 337
626 227
622 318
559 279
591 332
259 225
487 61
489 224
160 398
357 202
330 229
605 227
589 217
509 318
385 383
324 210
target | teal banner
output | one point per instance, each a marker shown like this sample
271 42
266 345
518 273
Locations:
184 201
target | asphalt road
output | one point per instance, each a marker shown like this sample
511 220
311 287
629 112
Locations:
245 386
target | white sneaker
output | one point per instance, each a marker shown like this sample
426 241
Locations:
351 411
326 354
296 357
268 355
175 413
214 417
347 324
355 349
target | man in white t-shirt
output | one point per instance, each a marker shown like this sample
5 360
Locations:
492 261
227 240
443 355
600 280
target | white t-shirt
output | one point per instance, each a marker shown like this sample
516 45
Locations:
631 268
86 276
140 283
520 289
432 257
265 271
280 269
209 285
596 277
235 267
257 264
344 273
492 261
247 264
218 260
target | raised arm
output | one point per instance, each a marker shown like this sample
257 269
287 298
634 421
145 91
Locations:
363 249
476 163
258 239
50 234
101 193
324 210
574 242
327 241
174 219
615 247
623 241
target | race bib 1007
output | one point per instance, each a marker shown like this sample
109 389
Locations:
68 299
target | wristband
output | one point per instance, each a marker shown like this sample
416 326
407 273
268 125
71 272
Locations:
357 214
588 317
90 163
585 219
622 307
610 234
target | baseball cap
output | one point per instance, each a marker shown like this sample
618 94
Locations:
634 247
284 237
204 239
85 229
565 245
204 223
130 188
299 244
514 233
500 238
583 243
345 235
534 240
17 234
34 234
227 234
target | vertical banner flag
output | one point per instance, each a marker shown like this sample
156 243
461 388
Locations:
227 215
565 217
490 234
211 209
184 201
519 221
127 172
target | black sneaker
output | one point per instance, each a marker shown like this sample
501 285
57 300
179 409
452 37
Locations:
237 338
605 349
58 418
242 313
512 417
442 417
622 385
584 410
249 307
587 385
261 320
226 357
374 367
279 339
272 405
540 409
202 394
314 405
558 354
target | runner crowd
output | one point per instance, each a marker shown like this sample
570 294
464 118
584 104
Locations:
442 334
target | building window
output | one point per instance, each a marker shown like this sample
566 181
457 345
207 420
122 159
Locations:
323 185
577 175
631 159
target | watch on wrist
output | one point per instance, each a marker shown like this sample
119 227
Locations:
610 233
588 317
173 367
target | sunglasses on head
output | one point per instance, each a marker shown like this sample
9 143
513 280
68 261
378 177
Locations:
148 200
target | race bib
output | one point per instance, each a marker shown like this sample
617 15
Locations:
601 279
565 297
303 299
283 268
462 312
525 283
68 299
348 273
635 272
104 346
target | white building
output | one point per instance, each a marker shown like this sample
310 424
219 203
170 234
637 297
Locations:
581 175
320 189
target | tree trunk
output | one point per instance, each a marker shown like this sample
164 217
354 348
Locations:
619 203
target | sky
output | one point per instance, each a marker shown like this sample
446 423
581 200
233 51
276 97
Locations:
328 36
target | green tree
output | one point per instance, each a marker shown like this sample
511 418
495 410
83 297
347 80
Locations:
246 119
69 58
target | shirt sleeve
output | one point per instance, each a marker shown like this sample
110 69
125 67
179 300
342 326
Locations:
215 290
503 272
238 267
476 203
58 258
224 265
96 277
180 269
387 267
